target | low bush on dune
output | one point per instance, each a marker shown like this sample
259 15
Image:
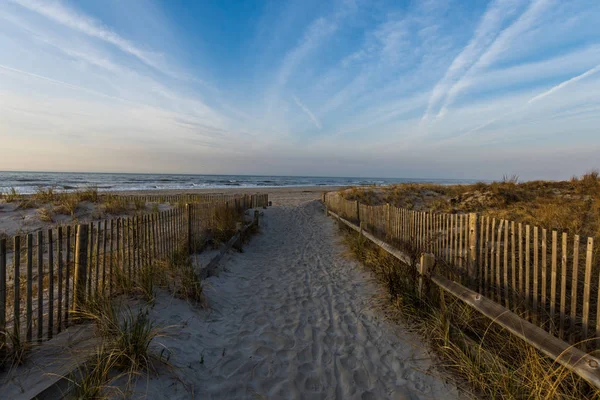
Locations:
45 214
88 194
11 196
66 204
115 205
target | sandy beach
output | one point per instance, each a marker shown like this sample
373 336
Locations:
291 317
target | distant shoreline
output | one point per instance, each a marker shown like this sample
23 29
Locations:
238 189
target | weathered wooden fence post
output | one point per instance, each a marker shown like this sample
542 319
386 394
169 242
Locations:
238 243
388 221
81 260
357 211
425 266
473 265
188 209
256 218
3 290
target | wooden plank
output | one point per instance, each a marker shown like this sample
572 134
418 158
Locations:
90 265
563 287
535 273
40 287
130 251
486 265
144 235
68 275
574 290
544 271
29 305
553 280
154 237
527 264
521 270
50 284
161 225
142 242
492 257
154 233
2 290
114 251
460 243
17 289
598 317
124 249
59 255
587 282
449 238
456 242
506 297
481 258
137 240
513 260
498 282
80 287
104 254
98 243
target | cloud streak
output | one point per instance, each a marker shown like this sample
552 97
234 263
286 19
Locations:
71 19
312 117
497 13
379 82
564 84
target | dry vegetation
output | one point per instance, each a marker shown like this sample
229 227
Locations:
126 335
485 360
569 206
57 206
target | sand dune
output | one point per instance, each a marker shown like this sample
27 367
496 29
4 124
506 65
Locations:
290 318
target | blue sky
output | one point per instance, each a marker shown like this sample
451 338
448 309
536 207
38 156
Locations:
448 89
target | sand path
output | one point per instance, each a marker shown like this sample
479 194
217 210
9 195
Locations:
291 317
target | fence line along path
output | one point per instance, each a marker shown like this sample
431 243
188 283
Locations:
44 274
548 278
292 317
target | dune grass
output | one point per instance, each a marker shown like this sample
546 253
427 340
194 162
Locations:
115 205
125 347
567 206
482 358
13 349
45 214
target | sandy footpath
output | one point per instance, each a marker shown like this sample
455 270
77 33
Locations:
291 317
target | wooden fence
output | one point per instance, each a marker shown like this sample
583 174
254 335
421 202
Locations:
546 278
43 273
186 197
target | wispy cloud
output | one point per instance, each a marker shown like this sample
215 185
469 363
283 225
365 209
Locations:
501 44
564 84
314 119
74 20
491 22
380 82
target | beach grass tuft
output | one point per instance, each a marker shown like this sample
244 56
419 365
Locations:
45 214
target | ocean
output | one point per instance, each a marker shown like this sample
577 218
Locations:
29 182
